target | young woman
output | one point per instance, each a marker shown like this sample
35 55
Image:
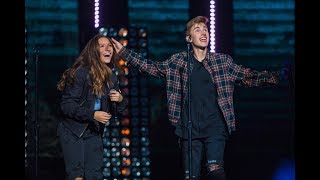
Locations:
89 88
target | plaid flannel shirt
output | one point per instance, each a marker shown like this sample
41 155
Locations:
222 69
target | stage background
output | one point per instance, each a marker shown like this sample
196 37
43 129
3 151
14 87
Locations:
258 34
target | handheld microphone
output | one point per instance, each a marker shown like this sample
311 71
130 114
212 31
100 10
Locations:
114 108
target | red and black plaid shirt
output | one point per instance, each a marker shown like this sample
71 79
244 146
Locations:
223 71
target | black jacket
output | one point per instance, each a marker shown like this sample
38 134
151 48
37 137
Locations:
77 102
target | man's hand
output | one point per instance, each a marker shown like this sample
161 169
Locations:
117 45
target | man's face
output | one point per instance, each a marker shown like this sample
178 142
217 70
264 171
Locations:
199 35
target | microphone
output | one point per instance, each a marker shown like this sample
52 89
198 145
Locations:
188 49
114 106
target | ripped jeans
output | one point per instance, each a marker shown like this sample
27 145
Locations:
208 151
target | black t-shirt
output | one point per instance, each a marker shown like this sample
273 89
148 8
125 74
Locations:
206 115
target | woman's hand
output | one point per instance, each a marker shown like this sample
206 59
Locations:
115 96
102 116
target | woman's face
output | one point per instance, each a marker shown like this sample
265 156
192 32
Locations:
105 49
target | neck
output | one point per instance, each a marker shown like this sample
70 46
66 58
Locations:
199 54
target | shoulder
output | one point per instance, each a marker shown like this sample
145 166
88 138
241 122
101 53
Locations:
220 57
82 73
179 55
223 56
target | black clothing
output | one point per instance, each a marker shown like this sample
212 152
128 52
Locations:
208 126
205 112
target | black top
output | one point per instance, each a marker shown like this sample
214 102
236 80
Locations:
205 112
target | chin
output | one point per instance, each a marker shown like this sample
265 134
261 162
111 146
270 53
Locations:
108 60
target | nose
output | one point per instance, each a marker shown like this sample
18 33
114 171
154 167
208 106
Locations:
108 48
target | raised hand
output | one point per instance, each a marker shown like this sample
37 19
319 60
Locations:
117 45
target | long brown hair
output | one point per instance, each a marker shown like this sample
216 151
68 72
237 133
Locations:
99 73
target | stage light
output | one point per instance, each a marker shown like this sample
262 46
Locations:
125 172
107 161
136 172
212 26
126 161
142 33
126 138
116 171
112 32
125 152
125 131
115 142
122 62
124 42
126 71
96 13
135 161
125 122
145 141
145 151
106 152
123 32
103 31
106 141
106 172
125 142
145 171
115 161
26 102
145 161
144 131
142 43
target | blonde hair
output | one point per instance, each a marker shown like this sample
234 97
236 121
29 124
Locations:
196 20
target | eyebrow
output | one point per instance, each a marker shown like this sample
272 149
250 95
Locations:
199 27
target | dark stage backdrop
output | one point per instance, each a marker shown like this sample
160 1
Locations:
258 34
52 43
264 38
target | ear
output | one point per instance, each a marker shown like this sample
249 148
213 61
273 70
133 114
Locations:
188 39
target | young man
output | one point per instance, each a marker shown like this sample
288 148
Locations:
213 76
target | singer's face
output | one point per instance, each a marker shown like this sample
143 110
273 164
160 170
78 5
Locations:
199 35
106 50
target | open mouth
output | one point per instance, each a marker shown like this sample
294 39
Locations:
107 54
203 39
